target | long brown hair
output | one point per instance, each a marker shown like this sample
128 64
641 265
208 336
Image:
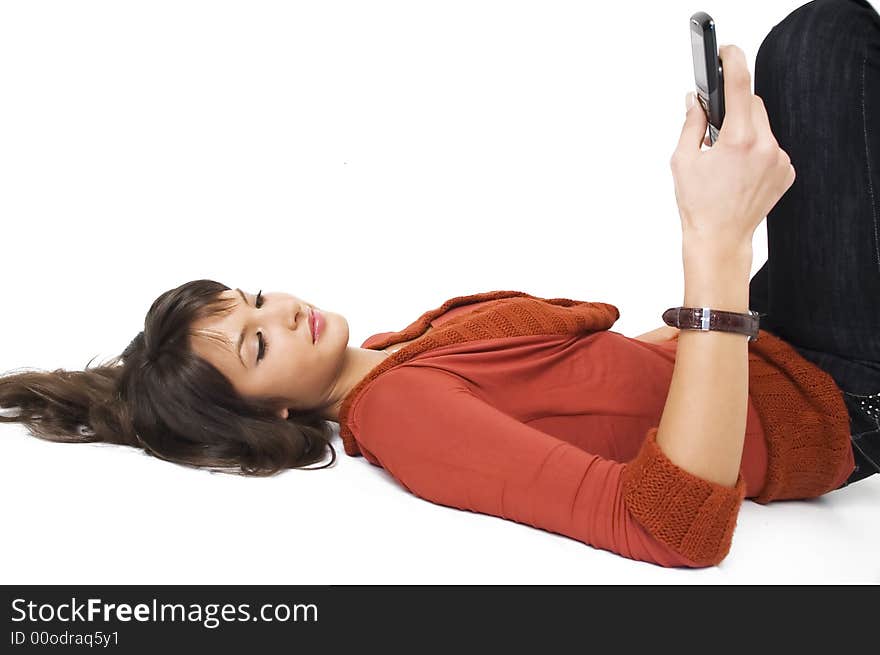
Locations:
160 396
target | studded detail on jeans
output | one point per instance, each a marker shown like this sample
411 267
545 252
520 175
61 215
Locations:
864 412
869 404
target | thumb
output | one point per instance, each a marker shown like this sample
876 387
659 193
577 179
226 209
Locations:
694 128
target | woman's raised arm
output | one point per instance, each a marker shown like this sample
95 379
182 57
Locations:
723 194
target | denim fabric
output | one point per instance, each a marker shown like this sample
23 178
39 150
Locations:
865 435
818 73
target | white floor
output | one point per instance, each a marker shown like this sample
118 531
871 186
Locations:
106 514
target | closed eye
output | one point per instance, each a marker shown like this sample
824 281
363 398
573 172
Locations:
263 343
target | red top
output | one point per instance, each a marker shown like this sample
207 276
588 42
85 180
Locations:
533 410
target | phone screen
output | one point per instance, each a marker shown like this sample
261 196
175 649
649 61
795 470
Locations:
699 61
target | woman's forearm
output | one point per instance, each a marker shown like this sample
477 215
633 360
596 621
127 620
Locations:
702 428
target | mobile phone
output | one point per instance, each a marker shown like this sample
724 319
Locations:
707 71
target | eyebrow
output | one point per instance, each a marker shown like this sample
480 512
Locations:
241 336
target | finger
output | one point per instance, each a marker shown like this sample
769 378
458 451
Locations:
737 122
692 131
761 121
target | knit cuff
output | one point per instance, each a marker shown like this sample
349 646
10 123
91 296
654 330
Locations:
692 516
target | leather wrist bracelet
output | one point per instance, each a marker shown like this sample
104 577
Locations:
706 318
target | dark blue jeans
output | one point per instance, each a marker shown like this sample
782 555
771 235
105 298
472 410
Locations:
818 73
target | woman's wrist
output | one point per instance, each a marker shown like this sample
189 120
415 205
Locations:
716 274
729 251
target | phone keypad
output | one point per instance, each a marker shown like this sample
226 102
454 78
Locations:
713 133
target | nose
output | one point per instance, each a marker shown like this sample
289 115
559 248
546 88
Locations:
300 316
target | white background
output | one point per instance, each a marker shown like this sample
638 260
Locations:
375 159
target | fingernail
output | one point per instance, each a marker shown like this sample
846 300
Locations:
689 100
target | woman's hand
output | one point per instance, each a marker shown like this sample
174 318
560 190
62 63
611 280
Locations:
661 334
724 193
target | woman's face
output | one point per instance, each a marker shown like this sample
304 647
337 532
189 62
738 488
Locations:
277 356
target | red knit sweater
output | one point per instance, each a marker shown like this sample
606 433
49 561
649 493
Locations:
533 410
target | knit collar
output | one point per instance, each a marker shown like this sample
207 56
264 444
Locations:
510 314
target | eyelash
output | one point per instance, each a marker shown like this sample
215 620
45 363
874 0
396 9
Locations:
264 344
